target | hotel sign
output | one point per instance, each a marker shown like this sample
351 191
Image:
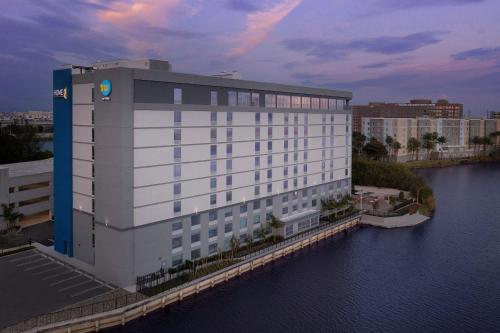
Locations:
61 93
105 88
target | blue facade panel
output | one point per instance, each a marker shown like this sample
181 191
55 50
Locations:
63 161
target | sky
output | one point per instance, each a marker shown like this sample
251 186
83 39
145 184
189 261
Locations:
381 50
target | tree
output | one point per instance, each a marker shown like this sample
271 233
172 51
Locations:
420 184
486 141
10 215
20 144
261 233
275 224
358 142
413 146
235 245
429 145
441 140
389 141
375 204
375 150
476 141
396 146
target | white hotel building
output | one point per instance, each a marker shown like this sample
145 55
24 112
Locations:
169 166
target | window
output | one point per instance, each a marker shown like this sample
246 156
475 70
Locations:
324 103
306 102
270 118
269 188
195 220
269 202
229 117
305 168
284 199
257 176
285 185
285 171
257 147
229 180
176 225
286 131
177 153
243 238
295 182
176 242
195 237
213 150
314 202
229 134
257 161
228 227
257 133
296 103
289 230
213 183
257 117
177 170
213 167
243 98
212 215
177 118
269 160
229 196
229 149
243 222
228 212
232 98
177 96
269 145
255 99
285 158
283 101
285 210
195 254
269 173
212 232
213 199
229 165
285 144
213 134
314 103
213 117
177 188
306 142
93 136
286 118
213 98
305 180
269 132
212 248
177 136
270 101
256 204
256 219
256 190
243 209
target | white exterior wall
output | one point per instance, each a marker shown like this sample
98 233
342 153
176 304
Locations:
154 158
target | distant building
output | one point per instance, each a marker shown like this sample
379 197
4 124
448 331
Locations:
27 187
417 108
458 132
494 115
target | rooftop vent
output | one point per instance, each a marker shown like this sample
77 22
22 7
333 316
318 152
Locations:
228 75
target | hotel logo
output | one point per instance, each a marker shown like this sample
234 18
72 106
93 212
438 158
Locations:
61 93
105 88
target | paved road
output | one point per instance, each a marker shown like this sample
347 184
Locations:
32 284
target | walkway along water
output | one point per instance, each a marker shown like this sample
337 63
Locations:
122 315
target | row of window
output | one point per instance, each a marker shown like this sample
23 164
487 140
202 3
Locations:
252 99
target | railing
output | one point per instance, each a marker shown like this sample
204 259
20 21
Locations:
137 301
75 312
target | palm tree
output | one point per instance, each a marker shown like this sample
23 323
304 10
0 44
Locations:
413 146
235 245
389 141
275 224
10 215
261 233
396 146
419 186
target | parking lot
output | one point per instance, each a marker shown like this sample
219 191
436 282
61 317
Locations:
32 283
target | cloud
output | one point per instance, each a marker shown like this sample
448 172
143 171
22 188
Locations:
483 53
244 5
409 4
153 12
381 64
330 50
259 24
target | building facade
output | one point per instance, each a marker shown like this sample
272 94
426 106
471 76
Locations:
459 133
416 108
168 167
27 187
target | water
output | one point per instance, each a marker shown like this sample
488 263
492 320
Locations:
442 276
47 145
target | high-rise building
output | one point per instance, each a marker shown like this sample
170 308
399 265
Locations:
417 108
153 167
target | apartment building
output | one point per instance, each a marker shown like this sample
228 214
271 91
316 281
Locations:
154 167
416 108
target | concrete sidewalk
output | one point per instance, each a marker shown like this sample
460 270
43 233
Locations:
394 222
